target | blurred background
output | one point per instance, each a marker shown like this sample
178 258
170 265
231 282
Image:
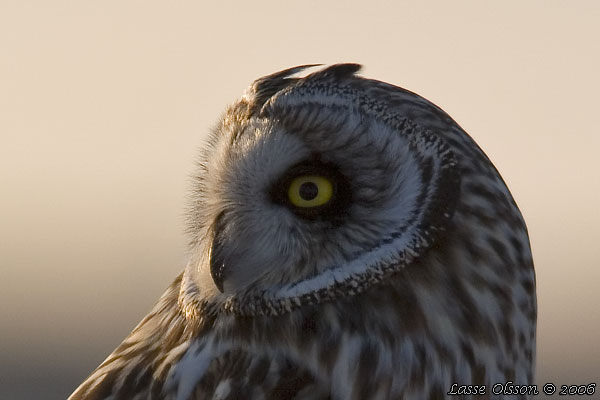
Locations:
103 106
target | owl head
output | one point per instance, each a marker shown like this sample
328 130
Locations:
318 187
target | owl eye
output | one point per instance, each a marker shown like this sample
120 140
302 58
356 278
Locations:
313 190
307 191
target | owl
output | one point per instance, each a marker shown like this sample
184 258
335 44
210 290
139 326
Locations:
348 240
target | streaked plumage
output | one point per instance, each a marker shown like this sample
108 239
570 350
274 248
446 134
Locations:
416 274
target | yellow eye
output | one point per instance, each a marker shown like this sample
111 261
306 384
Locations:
310 191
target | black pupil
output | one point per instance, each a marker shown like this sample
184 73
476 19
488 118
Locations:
308 191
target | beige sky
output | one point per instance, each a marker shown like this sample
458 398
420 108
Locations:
103 106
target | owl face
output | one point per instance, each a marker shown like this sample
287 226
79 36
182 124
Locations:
308 184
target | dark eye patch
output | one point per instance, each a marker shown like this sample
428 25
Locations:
335 210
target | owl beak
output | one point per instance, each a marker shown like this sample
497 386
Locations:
217 263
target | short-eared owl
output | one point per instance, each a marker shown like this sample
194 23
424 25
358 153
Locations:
348 241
